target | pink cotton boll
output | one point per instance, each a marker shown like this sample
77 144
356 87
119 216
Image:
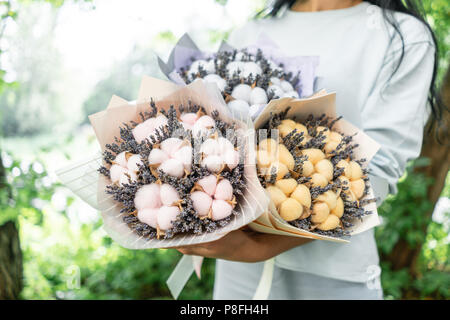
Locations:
185 156
141 132
203 124
121 159
232 159
157 156
160 121
220 209
201 202
189 118
147 197
166 215
171 145
210 147
172 167
208 184
213 163
225 145
169 195
133 163
224 190
148 216
127 178
186 126
115 172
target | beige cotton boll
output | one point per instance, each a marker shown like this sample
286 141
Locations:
318 180
325 132
284 156
286 185
270 145
329 197
284 130
355 171
314 155
307 168
332 222
280 169
276 195
358 186
302 195
320 212
336 137
325 168
330 147
290 209
338 211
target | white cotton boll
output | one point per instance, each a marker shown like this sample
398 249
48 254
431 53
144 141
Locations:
242 92
274 65
187 126
127 178
148 216
251 68
115 172
286 86
214 78
121 159
185 156
239 108
225 145
255 110
275 81
210 147
148 196
210 66
213 163
239 56
277 91
291 94
134 162
235 66
157 156
171 145
173 167
169 195
258 96
231 159
166 215
194 68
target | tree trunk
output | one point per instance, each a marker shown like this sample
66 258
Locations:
10 253
10 262
402 255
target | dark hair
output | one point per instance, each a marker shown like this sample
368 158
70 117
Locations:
411 7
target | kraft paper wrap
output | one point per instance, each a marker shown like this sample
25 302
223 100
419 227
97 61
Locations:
84 180
321 103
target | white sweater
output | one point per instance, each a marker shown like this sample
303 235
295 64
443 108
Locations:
357 57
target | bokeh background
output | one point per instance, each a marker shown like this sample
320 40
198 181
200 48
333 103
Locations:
61 61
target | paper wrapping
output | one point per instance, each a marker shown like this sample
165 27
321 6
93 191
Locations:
185 49
321 103
84 180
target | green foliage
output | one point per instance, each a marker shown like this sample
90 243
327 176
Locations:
405 217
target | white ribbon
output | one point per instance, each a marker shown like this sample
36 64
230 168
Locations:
265 283
182 272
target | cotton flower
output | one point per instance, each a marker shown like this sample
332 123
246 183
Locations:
174 157
213 200
147 129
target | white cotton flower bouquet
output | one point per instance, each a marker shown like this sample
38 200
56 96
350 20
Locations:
248 78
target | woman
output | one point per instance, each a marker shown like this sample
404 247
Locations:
380 58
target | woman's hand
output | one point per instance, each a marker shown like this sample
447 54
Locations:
244 245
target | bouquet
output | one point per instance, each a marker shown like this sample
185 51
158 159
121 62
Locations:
247 78
313 166
173 169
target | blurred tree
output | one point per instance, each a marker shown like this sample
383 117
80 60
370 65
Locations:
123 80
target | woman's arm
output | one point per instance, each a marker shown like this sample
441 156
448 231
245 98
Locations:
245 245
